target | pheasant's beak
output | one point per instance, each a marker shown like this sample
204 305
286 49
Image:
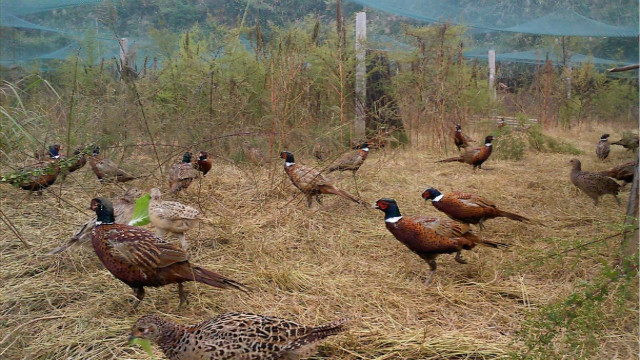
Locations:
375 206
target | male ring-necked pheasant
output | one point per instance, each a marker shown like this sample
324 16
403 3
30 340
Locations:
622 172
182 174
603 147
466 207
459 139
311 182
429 237
351 160
107 170
593 184
140 258
122 210
40 175
474 157
203 164
234 336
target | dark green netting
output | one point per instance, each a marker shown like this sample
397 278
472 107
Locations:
15 22
569 23
27 7
539 56
514 16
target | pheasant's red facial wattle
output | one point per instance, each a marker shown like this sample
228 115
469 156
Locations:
382 205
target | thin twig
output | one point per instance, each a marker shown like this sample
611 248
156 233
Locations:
14 230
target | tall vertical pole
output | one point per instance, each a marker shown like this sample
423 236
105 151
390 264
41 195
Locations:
361 71
492 73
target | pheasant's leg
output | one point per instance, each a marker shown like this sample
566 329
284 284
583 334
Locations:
480 224
310 200
617 200
355 181
459 258
139 296
182 294
319 199
432 265
183 241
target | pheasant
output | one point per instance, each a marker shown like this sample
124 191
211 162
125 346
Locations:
172 216
234 336
475 156
593 184
467 208
320 151
41 175
459 139
429 237
107 170
181 174
603 147
622 172
204 163
311 182
139 258
629 141
81 160
123 210
252 153
351 160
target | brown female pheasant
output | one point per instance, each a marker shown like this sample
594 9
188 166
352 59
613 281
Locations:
474 157
467 208
429 237
234 336
172 217
107 170
311 182
139 258
593 184
181 174
351 160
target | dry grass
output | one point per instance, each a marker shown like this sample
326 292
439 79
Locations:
318 265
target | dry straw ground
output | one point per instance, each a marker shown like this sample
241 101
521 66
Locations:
321 264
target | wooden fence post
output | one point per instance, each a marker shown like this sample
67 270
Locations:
361 72
492 74
629 245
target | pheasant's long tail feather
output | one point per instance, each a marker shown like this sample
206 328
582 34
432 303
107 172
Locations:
210 278
344 194
457 158
513 216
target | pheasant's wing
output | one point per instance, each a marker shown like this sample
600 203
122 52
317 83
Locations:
444 227
310 177
474 200
142 248
173 210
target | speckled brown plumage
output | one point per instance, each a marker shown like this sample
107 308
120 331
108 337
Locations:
603 147
311 182
203 164
253 154
107 170
172 217
475 157
429 237
320 151
622 172
466 207
140 258
459 139
182 174
351 160
593 184
122 209
234 336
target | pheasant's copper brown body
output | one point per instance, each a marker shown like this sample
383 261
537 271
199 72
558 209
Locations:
429 237
603 147
593 184
107 170
43 173
459 139
204 163
80 162
234 336
182 174
351 160
475 157
622 172
139 258
311 182
466 207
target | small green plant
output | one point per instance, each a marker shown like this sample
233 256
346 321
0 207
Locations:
140 215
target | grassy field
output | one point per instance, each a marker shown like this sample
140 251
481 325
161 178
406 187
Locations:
329 262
